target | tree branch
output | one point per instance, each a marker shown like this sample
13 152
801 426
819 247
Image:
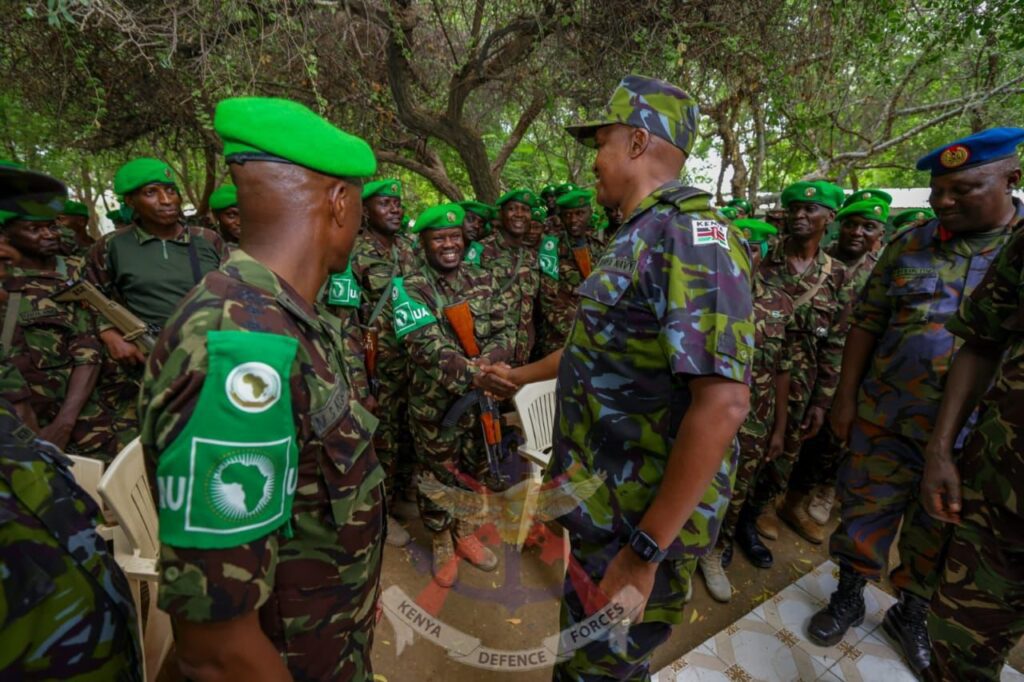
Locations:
526 119
436 176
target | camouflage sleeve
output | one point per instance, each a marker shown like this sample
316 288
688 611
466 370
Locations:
13 386
215 240
436 351
498 346
97 271
196 584
701 295
982 315
872 310
85 346
830 352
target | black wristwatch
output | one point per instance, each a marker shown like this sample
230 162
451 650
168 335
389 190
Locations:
646 548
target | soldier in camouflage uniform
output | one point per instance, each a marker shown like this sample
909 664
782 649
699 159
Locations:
663 335
381 255
74 229
270 493
977 612
514 268
566 259
54 348
475 227
442 372
815 282
862 223
894 370
224 205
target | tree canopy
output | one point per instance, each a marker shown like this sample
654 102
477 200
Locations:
467 98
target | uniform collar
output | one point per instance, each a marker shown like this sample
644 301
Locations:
654 197
245 268
184 237
19 277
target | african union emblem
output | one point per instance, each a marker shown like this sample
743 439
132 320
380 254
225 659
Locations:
253 386
242 486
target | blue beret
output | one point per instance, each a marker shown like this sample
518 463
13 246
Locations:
974 150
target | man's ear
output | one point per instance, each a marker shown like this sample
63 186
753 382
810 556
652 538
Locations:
343 200
1013 179
639 140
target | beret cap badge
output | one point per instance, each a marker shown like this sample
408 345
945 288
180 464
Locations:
955 156
810 192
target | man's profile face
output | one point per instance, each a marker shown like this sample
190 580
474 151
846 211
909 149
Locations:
611 165
156 204
384 214
973 199
443 249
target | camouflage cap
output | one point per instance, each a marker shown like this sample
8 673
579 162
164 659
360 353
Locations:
649 103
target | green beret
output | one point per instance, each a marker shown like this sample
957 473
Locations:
485 211
75 208
6 215
649 103
224 197
864 194
912 215
260 126
7 163
872 209
577 198
755 230
388 187
141 172
743 204
548 190
729 212
819 192
539 214
42 217
439 218
564 188
523 196
120 215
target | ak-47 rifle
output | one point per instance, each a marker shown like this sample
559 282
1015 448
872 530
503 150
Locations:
371 341
461 320
131 327
582 256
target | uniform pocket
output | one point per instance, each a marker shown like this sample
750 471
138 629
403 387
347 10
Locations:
912 298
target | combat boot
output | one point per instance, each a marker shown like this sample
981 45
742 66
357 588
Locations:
470 548
750 542
714 576
905 623
794 512
823 498
768 522
845 609
445 565
727 554
398 536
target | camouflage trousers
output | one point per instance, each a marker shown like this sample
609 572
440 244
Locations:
110 420
878 485
773 477
443 452
393 439
751 461
597 661
977 613
819 461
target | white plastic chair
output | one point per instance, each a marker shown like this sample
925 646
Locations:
88 472
125 490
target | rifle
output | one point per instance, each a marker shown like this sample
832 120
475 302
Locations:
582 256
131 327
371 342
461 320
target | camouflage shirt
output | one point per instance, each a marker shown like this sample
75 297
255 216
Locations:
815 335
150 275
669 300
66 611
315 579
914 290
374 265
516 273
992 319
559 297
773 312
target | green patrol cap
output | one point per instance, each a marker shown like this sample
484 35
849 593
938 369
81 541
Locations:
743 204
729 212
523 196
388 187
756 230
262 128
141 172
485 211
224 197
564 188
865 194
819 192
548 189
577 198
649 103
439 217
75 208
912 215
872 209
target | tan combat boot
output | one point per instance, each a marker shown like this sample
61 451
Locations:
470 548
445 566
767 523
823 497
714 575
794 512
398 536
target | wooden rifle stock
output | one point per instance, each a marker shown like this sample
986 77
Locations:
582 256
461 319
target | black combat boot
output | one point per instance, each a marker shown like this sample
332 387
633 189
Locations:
727 554
750 542
905 623
845 608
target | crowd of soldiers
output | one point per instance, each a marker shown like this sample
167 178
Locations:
295 366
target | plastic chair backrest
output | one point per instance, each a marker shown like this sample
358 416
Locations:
88 472
126 491
535 404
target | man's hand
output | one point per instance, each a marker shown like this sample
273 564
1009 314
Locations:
940 485
627 570
122 351
57 432
813 421
775 445
492 383
842 415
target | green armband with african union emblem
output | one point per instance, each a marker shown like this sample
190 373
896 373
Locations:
548 257
230 476
343 289
473 253
408 314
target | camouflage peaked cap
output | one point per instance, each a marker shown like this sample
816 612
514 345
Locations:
654 105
